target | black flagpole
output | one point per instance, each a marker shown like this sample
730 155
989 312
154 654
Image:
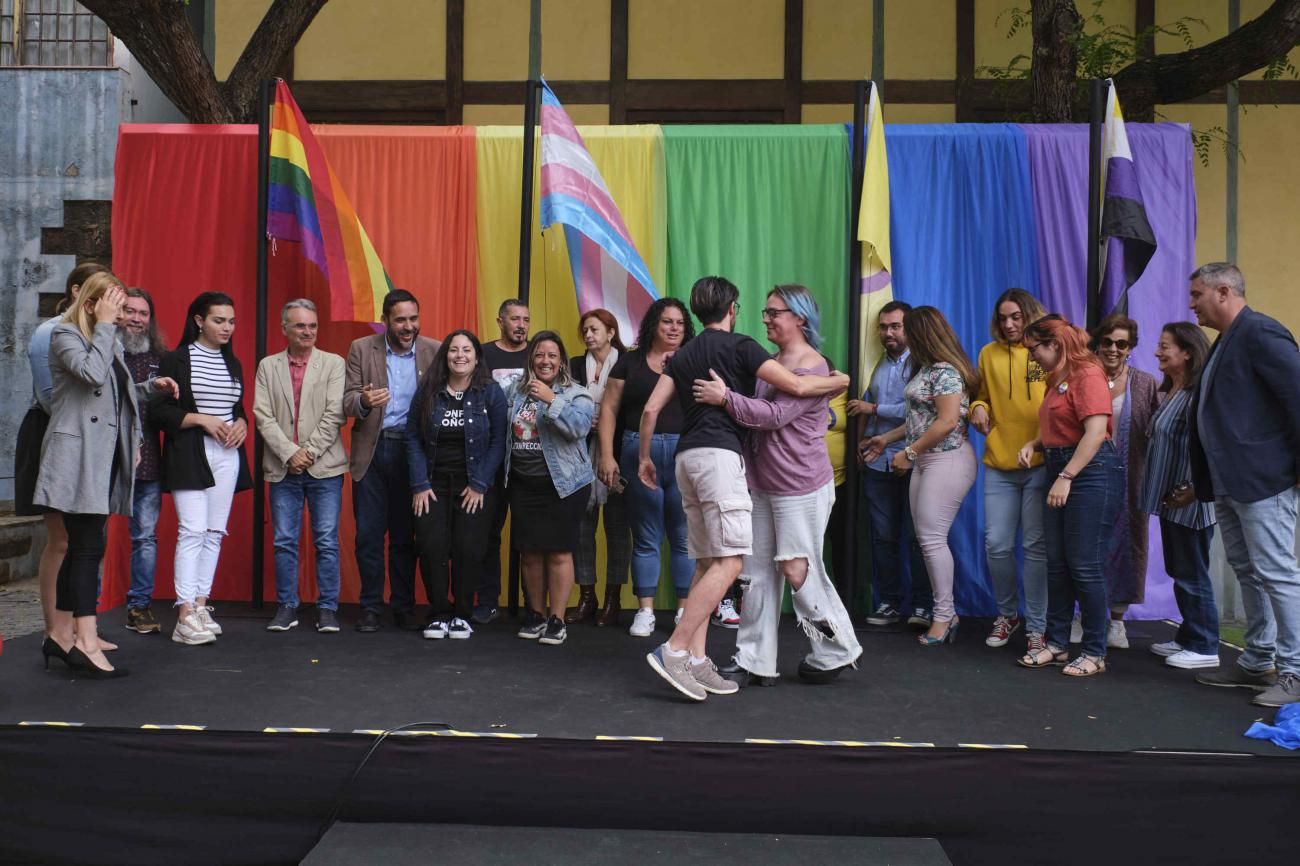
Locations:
847 560
1095 126
263 179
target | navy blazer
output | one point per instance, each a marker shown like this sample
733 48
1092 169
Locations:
485 436
1251 412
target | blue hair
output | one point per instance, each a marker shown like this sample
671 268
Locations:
804 305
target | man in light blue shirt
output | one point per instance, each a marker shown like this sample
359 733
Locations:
402 378
889 516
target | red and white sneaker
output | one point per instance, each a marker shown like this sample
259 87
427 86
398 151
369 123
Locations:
726 615
1003 628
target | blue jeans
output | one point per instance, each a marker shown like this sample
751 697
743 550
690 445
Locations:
324 499
381 503
889 519
654 515
1187 559
1259 542
1077 537
144 541
1013 500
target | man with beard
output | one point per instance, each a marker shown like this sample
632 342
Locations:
505 363
383 374
143 349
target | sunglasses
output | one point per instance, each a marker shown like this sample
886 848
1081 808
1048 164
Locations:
1107 342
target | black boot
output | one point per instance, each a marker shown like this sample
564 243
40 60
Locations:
586 609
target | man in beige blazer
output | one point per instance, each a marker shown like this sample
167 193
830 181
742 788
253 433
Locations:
383 377
298 404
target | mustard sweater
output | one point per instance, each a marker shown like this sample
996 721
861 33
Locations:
1011 389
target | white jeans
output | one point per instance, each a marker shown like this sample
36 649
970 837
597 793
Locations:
202 516
786 528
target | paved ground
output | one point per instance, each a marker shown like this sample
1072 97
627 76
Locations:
20 608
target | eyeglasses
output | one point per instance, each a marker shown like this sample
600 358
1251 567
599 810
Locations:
1107 342
772 312
1032 348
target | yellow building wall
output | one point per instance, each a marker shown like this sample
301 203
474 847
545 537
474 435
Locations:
341 42
714 39
234 22
513 115
575 40
1268 228
993 48
920 39
1211 179
836 40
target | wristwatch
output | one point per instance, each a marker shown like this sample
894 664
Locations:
911 454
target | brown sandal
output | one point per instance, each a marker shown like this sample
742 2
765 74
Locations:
1085 666
1046 657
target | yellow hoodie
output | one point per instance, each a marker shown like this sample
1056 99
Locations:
1011 390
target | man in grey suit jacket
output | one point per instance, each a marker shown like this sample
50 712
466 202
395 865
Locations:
298 404
383 376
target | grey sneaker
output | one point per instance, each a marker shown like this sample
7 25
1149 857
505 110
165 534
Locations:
189 630
204 613
327 621
285 618
676 670
706 674
1287 691
1237 677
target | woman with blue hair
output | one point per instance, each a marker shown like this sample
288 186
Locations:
793 488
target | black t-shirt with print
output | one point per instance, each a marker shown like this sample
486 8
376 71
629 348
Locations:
638 383
734 357
502 365
526 457
450 453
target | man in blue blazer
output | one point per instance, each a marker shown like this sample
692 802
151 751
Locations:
1245 435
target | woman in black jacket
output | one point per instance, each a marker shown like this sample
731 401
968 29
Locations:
203 456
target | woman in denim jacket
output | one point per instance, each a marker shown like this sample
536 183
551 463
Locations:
549 475
455 442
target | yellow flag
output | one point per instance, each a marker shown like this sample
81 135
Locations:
873 232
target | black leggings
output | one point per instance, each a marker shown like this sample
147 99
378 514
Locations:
78 583
451 543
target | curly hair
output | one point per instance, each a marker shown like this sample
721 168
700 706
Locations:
645 337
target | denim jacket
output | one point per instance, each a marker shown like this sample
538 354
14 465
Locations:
485 437
563 430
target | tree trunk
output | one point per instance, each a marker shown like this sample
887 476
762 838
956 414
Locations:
1054 62
160 38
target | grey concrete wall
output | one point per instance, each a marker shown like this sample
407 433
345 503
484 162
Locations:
58 137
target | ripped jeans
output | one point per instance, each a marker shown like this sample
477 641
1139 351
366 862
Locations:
786 528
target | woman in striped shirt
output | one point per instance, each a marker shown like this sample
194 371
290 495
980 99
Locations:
203 457
1186 526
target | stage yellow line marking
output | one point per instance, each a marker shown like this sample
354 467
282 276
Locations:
51 724
606 737
174 727
295 730
991 746
851 743
496 735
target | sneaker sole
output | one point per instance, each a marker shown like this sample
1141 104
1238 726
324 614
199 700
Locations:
527 636
716 691
146 630
1252 686
720 624
293 624
1188 666
193 641
1164 654
996 642
1273 704
434 635
881 622
461 636
552 641
330 629
668 678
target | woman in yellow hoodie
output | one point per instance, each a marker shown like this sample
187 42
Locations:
1006 411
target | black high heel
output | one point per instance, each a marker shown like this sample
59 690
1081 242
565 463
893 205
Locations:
80 662
51 649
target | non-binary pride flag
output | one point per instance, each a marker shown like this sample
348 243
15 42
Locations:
1130 242
308 205
608 272
873 232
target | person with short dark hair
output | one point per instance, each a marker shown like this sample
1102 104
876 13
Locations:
455 445
143 351
548 475
298 404
710 472
382 378
1246 460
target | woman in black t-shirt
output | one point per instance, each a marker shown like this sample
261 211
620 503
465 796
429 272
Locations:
652 514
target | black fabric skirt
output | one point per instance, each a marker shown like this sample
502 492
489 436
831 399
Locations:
540 519
27 461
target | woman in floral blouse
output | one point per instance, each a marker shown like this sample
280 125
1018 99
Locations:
938 405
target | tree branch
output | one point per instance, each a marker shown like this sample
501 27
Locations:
280 30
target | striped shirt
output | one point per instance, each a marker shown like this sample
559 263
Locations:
215 392
1169 463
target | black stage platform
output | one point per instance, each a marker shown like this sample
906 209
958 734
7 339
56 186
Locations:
956 743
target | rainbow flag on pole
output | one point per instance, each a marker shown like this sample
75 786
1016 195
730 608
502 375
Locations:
307 205
608 272
873 232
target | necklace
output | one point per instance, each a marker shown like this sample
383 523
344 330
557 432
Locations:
1110 381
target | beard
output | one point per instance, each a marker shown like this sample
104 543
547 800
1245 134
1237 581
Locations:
134 343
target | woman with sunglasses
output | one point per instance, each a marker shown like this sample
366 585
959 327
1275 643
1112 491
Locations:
1134 398
1086 493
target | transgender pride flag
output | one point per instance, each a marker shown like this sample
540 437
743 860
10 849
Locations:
608 272
1130 242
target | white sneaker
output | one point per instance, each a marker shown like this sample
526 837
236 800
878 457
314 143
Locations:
205 616
1076 630
643 624
677 620
1116 635
726 615
1189 660
189 630
1167 649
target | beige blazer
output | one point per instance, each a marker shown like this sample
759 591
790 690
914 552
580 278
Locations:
320 414
368 364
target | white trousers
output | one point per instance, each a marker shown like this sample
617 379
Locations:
787 528
202 516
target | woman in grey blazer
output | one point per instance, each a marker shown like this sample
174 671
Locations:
88 461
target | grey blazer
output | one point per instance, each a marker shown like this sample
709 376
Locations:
92 425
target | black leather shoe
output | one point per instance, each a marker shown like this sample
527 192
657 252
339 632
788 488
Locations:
741 677
369 622
406 620
817 676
